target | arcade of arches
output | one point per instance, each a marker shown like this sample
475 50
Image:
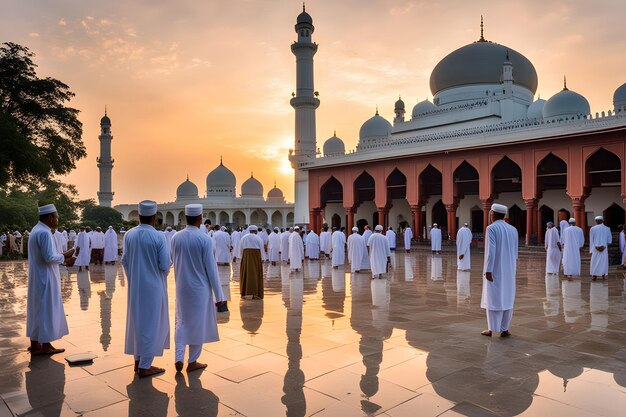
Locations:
543 181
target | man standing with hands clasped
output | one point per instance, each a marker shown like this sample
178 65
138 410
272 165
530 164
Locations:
500 268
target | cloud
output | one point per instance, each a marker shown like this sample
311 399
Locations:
33 34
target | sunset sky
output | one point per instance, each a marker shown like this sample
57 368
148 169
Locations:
186 81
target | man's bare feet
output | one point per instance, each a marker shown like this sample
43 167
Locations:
47 349
194 366
486 333
153 370
179 366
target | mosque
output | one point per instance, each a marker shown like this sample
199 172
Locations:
483 138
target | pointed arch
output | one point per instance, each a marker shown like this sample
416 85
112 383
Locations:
331 192
364 188
466 180
551 173
506 176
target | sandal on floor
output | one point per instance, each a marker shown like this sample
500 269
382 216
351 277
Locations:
505 333
486 333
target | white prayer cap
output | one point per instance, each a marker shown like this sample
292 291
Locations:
296 228
147 208
193 210
499 208
378 228
465 224
47 209
355 229
599 218
276 229
110 227
550 224
253 228
572 220
435 224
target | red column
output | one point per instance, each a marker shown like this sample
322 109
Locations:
579 214
540 226
382 216
531 215
350 213
451 209
486 209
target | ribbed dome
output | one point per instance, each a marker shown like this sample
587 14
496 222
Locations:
334 146
221 178
535 110
565 104
422 108
619 97
252 188
186 190
375 128
481 63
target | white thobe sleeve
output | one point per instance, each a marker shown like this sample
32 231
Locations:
490 251
48 249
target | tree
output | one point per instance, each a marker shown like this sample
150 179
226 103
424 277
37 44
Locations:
95 216
40 137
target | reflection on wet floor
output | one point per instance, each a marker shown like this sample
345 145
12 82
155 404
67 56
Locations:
330 343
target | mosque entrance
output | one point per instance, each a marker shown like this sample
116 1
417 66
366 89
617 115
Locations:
613 216
440 216
335 221
546 215
517 219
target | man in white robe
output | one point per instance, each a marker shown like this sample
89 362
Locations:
500 268
251 269
463 243
264 237
65 236
435 239
380 255
573 239
357 252
45 316
313 245
338 240
110 246
146 261
71 238
83 250
599 240
391 238
408 235
552 245
367 232
622 245
58 241
273 246
169 233
325 242
563 225
235 237
197 280
221 240
296 250
97 246
284 244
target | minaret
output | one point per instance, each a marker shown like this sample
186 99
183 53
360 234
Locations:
399 111
304 102
105 162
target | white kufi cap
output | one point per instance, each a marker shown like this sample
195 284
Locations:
147 208
355 229
47 209
378 228
599 218
499 208
572 220
253 228
193 209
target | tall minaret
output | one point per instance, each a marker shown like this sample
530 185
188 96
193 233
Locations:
105 162
304 102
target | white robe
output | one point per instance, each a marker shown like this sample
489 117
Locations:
296 251
97 240
357 253
313 245
284 246
235 237
435 239
338 239
45 317
379 252
273 247
325 242
110 246
599 235
501 260
463 243
391 238
58 242
366 235
265 240
168 236
71 236
553 253
563 225
84 256
408 235
64 241
622 245
221 240
146 261
573 239
197 282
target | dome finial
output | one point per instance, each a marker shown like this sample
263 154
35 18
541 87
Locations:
335 132
251 174
274 183
564 82
377 110
221 160
303 7
187 177
482 27
105 109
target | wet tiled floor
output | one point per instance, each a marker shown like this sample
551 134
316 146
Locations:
328 343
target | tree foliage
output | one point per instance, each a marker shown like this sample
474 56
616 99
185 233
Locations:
40 136
104 217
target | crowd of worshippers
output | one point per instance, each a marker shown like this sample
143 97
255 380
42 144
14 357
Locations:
195 251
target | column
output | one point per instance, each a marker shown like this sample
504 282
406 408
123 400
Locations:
579 214
416 212
531 220
382 216
486 209
350 211
451 209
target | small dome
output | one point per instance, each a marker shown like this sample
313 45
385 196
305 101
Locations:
275 193
105 121
566 103
334 146
186 190
221 180
535 110
619 98
422 108
304 17
399 104
375 128
252 188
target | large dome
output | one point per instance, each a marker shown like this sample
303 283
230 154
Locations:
252 188
565 104
186 190
619 98
481 63
422 108
334 146
535 110
221 180
375 128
